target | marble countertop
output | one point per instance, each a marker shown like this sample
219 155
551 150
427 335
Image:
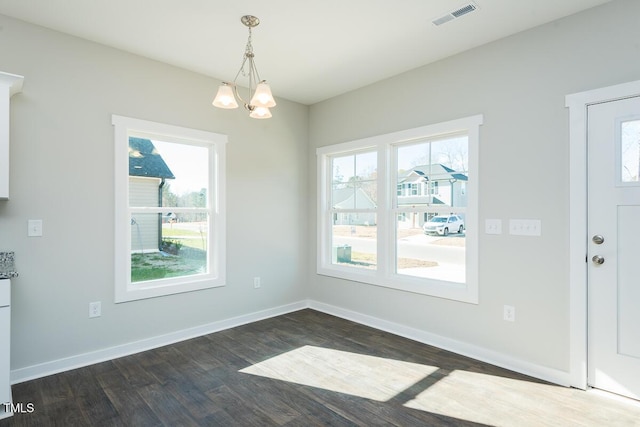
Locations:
7 267
8 274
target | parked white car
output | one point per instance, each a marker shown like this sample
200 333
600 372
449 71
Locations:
443 225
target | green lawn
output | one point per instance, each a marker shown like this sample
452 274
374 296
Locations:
170 232
156 265
368 260
188 238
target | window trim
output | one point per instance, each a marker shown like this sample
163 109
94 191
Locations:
124 289
385 274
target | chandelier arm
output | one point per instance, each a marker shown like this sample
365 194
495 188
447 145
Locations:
237 92
252 77
235 80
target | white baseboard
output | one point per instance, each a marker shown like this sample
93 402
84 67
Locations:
102 355
465 349
462 348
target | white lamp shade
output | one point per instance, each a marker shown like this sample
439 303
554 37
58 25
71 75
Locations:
262 96
225 98
260 113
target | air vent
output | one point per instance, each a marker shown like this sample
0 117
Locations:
464 10
461 11
446 18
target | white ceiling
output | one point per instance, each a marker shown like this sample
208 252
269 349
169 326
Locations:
308 51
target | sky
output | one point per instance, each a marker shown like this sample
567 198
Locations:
452 152
189 164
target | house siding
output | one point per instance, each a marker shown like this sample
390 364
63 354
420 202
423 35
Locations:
144 227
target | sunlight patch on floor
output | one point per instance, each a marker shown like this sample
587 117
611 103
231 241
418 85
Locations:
499 401
355 374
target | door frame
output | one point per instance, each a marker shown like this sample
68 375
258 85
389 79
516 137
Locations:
578 238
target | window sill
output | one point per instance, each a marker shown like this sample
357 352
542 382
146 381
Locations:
462 292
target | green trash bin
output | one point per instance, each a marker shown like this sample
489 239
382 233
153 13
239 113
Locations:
343 253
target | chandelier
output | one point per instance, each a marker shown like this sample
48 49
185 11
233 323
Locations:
259 92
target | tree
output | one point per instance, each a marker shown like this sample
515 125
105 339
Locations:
168 197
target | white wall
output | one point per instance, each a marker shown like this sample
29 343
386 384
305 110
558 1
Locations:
519 84
62 172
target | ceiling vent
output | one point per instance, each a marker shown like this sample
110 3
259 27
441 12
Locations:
461 11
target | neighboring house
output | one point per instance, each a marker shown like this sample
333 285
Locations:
427 185
147 174
353 198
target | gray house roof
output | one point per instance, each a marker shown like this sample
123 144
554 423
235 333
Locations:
350 198
145 161
439 172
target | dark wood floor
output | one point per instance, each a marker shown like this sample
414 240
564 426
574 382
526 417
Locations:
305 369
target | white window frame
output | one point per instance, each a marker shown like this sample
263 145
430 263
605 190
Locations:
384 274
124 127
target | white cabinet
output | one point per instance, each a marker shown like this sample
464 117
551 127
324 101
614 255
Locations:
5 346
10 84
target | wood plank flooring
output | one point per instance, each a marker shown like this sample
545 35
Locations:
306 369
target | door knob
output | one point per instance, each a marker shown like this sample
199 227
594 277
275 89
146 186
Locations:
598 239
597 259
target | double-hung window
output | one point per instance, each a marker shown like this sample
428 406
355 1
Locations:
169 209
400 210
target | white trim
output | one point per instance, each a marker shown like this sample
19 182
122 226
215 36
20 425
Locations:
124 127
577 104
465 349
10 84
469 350
415 134
149 129
85 359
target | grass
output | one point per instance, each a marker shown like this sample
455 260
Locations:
171 232
368 260
187 257
190 238
158 265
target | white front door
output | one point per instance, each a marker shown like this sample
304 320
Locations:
614 246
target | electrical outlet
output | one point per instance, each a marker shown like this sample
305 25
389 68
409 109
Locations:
95 309
256 282
509 313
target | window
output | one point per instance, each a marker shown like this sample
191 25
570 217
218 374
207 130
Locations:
400 210
169 202
353 207
628 150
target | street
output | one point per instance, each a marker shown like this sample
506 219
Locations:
450 257
415 247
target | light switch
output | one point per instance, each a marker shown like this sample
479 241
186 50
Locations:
493 226
34 228
525 227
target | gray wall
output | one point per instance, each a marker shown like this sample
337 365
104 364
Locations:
62 172
519 84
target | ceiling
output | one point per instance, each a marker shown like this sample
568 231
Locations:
308 51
